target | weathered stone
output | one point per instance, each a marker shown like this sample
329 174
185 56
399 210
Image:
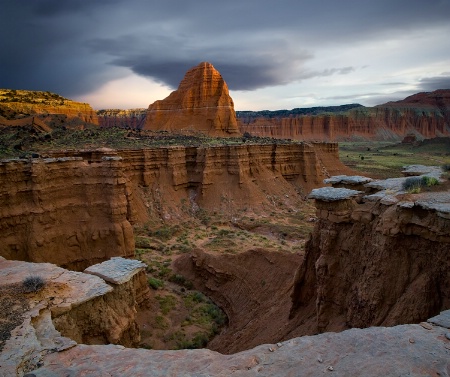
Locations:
417 170
71 306
357 352
347 180
442 319
116 270
331 194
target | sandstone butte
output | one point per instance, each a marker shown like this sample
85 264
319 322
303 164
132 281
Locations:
200 104
425 115
35 108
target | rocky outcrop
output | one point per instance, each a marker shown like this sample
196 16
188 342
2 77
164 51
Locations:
46 105
425 115
71 307
375 260
200 104
132 118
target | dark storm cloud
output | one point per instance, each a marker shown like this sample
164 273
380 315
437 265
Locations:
74 46
429 84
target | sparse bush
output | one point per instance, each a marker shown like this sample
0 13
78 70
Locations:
155 283
33 284
429 181
413 185
181 280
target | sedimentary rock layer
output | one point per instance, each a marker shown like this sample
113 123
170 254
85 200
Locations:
200 104
64 211
427 115
76 211
376 262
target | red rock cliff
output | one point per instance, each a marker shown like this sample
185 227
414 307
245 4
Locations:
426 114
77 211
201 103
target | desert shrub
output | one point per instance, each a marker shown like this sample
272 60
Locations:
415 184
429 181
181 280
412 184
33 284
155 283
166 303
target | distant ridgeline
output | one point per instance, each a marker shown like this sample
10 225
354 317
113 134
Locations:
424 115
321 110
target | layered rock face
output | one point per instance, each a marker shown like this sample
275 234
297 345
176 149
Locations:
76 211
200 104
15 103
64 211
426 115
132 118
377 261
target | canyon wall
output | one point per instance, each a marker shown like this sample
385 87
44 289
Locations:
375 262
201 103
427 115
77 208
63 211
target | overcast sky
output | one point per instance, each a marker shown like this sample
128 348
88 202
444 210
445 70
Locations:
272 54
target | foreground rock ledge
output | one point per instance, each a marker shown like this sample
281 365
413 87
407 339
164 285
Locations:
412 350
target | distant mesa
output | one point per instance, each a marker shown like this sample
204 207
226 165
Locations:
43 110
201 104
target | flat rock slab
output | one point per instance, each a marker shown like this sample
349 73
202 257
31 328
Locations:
69 288
116 270
408 350
442 319
348 180
331 194
416 170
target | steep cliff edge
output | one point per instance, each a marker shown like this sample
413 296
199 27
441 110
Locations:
379 260
77 208
427 115
200 104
